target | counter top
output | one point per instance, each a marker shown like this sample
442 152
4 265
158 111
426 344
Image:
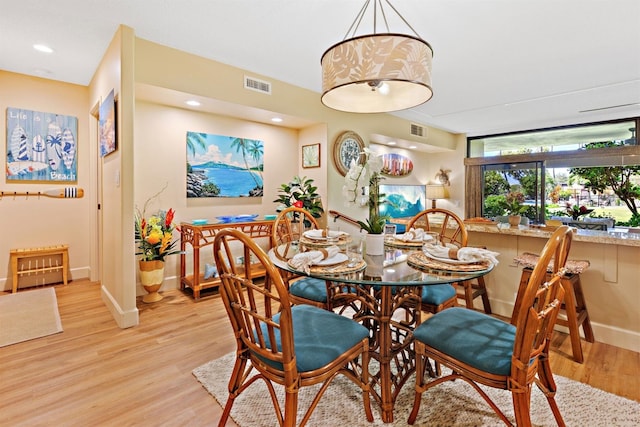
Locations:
611 237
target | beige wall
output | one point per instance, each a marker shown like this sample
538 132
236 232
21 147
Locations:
32 221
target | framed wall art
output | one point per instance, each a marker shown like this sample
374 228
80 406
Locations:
107 125
224 166
311 156
41 146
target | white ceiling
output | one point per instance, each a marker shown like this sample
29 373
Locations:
499 65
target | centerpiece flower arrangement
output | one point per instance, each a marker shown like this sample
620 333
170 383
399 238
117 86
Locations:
358 178
576 211
155 235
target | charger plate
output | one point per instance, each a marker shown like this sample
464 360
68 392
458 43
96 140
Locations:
420 260
397 243
312 243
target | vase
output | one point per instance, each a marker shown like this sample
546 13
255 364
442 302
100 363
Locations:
375 244
151 278
514 220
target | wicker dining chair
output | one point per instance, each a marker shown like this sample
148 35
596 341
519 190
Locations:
294 346
451 231
287 230
481 349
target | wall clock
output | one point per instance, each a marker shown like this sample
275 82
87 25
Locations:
348 146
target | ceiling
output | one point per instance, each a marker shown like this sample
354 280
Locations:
499 65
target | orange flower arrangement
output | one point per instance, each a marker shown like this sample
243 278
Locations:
155 235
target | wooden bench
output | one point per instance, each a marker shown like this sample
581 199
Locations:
46 253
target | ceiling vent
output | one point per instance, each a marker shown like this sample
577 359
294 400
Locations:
258 85
417 130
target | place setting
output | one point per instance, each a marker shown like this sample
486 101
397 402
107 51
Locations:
413 238
328 260
453 258
324 237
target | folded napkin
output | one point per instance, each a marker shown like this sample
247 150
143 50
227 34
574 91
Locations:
396 260
322 234
304 260
465 254
414 235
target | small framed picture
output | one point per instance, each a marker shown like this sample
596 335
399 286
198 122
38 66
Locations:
311 156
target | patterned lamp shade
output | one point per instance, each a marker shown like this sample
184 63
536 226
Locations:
377 73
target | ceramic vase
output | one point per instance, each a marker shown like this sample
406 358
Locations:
514 220
151 278
375 244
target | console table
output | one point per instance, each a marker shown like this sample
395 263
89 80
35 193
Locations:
201 236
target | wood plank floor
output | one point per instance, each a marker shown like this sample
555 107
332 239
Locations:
95 373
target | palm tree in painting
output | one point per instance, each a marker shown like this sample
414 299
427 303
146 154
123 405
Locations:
242 146
256 152
193 139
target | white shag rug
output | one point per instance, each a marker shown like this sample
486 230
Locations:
27 315
453 403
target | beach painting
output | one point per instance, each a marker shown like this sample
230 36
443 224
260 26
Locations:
41 146
224 166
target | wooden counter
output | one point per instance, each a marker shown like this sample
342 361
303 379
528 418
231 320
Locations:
201 236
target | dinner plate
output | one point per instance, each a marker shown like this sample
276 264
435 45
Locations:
448 260
336 259
333 234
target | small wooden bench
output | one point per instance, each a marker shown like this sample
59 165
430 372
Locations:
47 253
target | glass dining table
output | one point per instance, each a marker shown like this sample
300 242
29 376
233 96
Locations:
383 292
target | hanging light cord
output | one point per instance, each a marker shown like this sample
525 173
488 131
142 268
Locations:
376 3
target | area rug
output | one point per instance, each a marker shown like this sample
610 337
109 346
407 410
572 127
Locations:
27 315
453 403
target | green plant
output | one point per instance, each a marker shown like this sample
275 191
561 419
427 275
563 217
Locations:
301 193
513 203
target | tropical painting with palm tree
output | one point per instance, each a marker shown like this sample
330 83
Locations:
224 166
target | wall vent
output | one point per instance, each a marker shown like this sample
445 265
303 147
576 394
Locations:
417 130
258 85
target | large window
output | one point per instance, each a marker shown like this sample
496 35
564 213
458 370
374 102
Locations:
595 165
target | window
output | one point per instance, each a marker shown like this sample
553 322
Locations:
556 167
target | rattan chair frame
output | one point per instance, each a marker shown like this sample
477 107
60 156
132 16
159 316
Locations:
251 306
537 316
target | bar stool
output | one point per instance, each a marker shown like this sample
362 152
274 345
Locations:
574 305
472 289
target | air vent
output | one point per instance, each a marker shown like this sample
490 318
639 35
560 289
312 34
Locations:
258 85
417 130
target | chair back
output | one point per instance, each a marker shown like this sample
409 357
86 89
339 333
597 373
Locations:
290 224
450 228
539 306
252 306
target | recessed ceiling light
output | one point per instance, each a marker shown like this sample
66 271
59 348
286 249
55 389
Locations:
193 103
276 120
42 48
391 143
413 147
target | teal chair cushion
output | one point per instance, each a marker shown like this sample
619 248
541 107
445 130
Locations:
309 288
319 336
437 294
474 338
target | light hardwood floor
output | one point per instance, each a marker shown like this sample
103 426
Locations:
95 373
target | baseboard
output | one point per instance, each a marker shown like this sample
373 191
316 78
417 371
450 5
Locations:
124 319
607 334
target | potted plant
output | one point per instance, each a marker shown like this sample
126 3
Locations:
576 212
357 179
301 193
154 236
514 207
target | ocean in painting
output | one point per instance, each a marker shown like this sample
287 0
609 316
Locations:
232 182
